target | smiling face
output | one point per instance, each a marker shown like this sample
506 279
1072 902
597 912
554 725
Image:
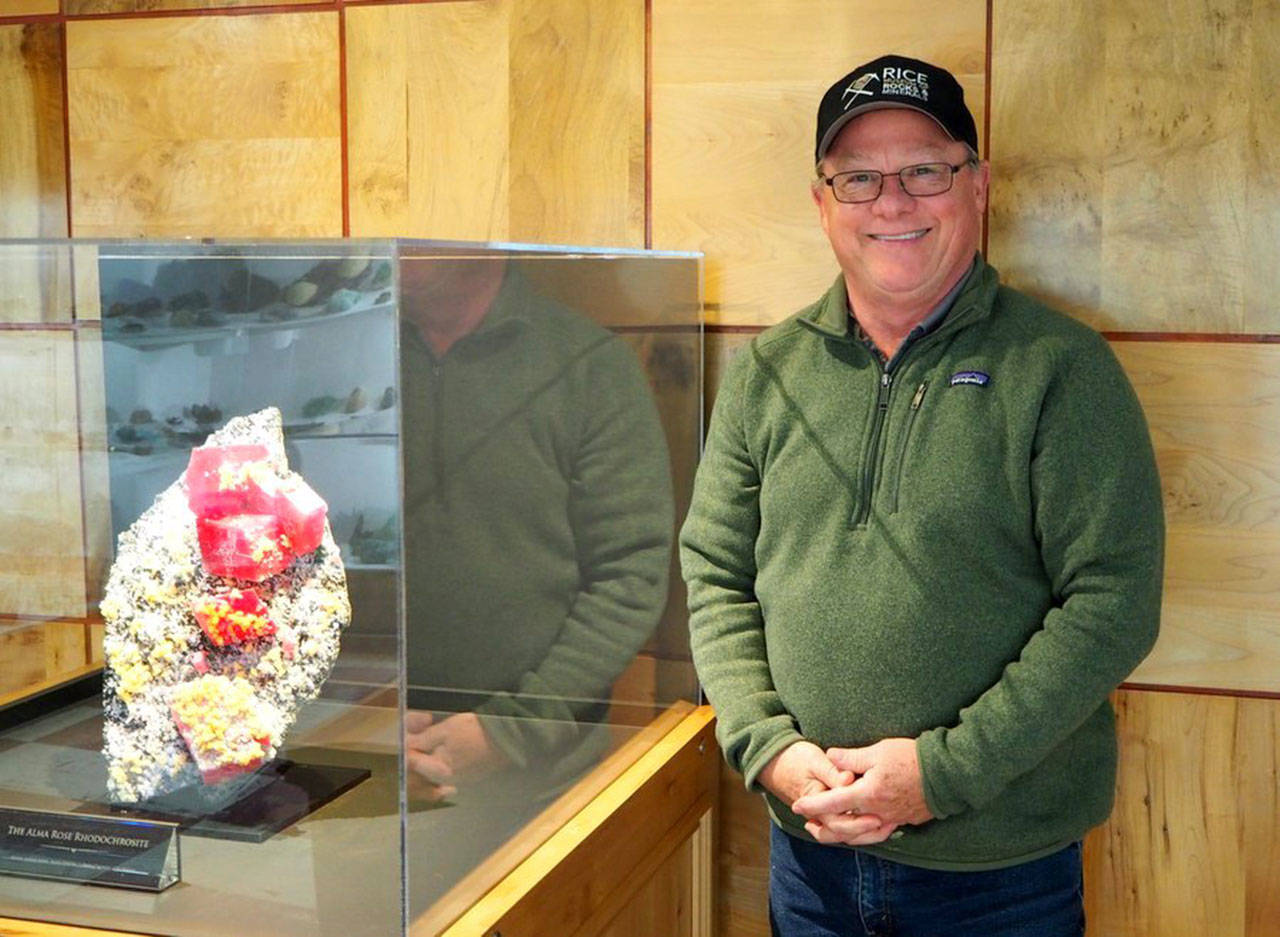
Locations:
901 254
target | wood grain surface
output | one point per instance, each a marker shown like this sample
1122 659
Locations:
577 121
32 167
1194 842
38 655
1134 161
735 93
1213 409
258 156
32 172
428 119
92 7
662 905
41 548
99 541
28 7
742 861
498 120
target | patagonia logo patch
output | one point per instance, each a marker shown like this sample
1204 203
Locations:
981 378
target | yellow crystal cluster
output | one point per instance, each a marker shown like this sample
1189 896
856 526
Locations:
222 722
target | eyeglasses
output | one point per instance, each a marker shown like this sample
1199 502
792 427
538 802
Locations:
865 185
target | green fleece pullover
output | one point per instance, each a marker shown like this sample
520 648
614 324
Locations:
538 524
967 552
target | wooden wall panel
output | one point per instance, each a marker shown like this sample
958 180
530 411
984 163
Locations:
735 93
28 7
742 896
662 906
99 544
578 122
1213 409
1192 847
91 7
41 561
32 169
498 120
428 114
32 166
258 156
1134 161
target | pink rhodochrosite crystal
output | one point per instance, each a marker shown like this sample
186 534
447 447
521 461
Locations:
244 546
251 521
221 480
302 512
223 611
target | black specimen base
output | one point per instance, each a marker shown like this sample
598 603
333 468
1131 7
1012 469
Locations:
250 809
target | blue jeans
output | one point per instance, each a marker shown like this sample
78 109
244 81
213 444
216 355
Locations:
827 891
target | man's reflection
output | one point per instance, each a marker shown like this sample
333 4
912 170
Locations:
538 530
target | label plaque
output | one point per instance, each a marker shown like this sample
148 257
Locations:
93 850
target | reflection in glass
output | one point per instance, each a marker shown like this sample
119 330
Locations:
505 438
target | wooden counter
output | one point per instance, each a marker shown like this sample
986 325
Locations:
626 852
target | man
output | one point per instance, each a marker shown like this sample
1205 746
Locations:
925 544
538 529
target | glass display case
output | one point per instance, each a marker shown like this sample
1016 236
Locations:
332 573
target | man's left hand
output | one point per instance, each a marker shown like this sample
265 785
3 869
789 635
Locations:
889 785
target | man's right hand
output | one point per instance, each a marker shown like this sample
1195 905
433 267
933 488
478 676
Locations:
803 768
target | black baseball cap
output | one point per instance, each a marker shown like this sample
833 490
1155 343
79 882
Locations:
895 81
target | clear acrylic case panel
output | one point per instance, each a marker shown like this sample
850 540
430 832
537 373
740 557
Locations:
505 437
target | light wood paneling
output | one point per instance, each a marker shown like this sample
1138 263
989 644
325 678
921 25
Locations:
32 171
498 120
1191 848
35 283
742 898
662 905
32 167
1135 175
41 548
28 7
37 655
90 7
1213 409
87 286
735 93
428 119
577 121
96 483
259 154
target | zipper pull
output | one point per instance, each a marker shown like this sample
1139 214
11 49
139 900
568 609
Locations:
919 397
886 380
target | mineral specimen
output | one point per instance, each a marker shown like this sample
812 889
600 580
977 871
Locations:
209 662
227 729
236 616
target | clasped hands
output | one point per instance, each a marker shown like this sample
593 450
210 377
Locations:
855 796
440 753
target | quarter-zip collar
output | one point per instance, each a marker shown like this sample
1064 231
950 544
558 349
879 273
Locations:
830 315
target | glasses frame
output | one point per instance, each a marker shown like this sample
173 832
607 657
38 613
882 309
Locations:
951 180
